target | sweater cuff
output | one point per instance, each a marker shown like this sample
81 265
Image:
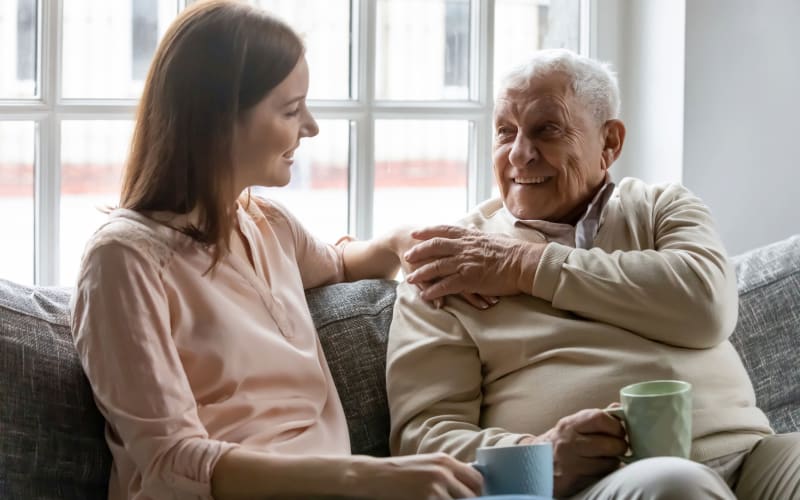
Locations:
511 439
549 270
193 467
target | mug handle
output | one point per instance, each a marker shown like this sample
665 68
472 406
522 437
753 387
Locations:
619 413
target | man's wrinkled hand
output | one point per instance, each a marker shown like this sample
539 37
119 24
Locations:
401 240
586 447
454 260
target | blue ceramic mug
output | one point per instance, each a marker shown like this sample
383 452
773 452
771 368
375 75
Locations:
521 470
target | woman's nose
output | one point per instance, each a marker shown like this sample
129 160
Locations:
310 127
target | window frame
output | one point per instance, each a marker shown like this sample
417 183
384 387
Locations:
49 109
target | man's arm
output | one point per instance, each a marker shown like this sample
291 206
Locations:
434 382
681 292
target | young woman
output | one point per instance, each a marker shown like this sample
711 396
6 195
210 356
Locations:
189 315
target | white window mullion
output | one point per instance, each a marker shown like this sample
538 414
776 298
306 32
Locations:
479 180
362 163
47 172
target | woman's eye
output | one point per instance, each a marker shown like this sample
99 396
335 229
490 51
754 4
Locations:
293 112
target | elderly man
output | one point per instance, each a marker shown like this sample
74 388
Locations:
605 286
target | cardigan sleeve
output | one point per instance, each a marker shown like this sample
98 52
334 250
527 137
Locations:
681 292
121 328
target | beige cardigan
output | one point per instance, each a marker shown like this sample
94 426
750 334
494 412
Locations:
654 299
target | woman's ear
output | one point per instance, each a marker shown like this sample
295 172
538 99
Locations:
613 138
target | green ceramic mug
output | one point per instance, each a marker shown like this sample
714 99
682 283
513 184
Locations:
658 417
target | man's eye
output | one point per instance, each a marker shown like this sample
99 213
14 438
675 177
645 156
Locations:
550 128
503 130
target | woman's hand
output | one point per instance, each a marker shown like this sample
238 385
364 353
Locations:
434 477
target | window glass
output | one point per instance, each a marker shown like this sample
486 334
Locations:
420 172
324 26
524 26
18 47
92 155
422 50
17 146
108 45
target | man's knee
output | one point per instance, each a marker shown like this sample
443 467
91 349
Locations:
669 478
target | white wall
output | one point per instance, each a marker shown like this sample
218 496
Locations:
644 41
742 110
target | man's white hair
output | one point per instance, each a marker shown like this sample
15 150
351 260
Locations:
593 82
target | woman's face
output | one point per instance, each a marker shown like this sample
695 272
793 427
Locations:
268 134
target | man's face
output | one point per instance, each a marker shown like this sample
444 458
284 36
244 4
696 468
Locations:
548 150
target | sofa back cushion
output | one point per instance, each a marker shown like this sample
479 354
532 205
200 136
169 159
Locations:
51 434
353 324
767 335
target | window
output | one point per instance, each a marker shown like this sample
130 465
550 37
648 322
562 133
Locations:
402 90
145 36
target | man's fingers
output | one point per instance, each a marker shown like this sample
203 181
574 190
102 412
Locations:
433 248
448 286
442 230
602 445
476 301
597 422
433 271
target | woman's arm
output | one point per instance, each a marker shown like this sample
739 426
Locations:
375 258
244 473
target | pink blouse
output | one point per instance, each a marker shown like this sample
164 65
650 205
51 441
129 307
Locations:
186 366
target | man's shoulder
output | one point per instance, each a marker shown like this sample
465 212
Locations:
634 188
635 194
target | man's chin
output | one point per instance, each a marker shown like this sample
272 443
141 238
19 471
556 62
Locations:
525 213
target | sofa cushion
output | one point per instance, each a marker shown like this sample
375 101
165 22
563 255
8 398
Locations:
767 335
353 324
51 434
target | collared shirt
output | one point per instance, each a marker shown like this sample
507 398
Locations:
582 234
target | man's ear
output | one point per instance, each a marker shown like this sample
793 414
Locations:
613 138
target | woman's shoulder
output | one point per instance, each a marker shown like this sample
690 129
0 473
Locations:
127 232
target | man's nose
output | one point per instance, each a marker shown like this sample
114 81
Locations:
523 151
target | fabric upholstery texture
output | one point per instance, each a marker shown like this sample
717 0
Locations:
767 335
51 435
353 325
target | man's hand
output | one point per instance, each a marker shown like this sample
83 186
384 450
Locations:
454 260
400 240
586 447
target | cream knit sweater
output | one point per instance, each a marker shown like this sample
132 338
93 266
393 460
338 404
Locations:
655 298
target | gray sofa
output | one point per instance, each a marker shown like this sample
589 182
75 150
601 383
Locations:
51 434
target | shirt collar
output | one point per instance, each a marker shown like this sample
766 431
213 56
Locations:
582 234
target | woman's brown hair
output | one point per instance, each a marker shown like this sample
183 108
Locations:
217 60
